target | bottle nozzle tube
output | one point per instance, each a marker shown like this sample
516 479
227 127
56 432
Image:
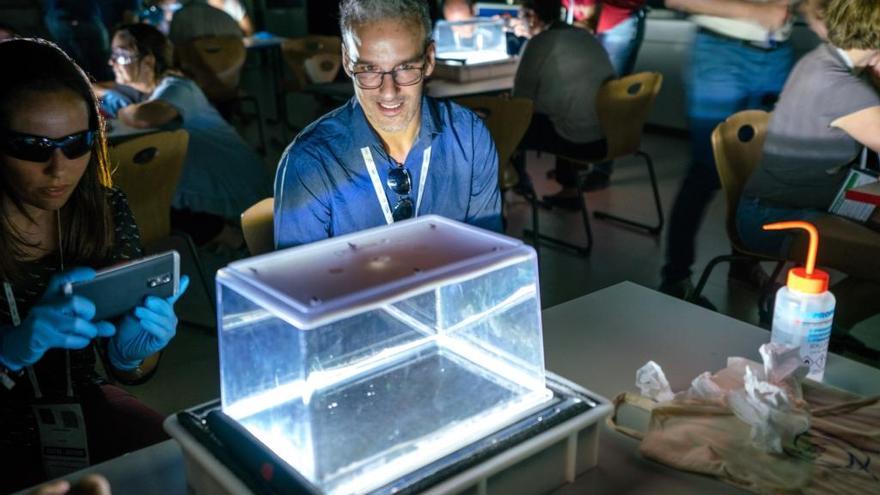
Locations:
814 239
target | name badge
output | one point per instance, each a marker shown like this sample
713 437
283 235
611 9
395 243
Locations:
63 443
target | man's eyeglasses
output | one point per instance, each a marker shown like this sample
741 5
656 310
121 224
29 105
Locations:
40 148
122 58
400 182
405 76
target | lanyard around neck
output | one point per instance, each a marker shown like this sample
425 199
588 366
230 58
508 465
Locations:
380 189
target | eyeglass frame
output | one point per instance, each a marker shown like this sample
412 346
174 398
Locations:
132 58
423 57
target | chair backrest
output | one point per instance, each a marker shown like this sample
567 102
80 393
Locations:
147 169
623 106
737 144
214 63
507 121
312 59
258 228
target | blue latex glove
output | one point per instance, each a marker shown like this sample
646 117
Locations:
145 331
56 321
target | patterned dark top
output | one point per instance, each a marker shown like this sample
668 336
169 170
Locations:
50 369
18 434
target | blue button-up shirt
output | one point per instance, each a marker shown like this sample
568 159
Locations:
323 188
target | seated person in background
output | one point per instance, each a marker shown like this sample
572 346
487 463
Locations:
390 153
827 113
197 19
237 11
458 10
561 69
222 176
61 219
77 27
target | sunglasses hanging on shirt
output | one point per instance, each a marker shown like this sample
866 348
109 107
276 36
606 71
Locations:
400 181
39 149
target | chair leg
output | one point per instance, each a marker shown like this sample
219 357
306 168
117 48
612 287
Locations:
585 216
652 229
200 278
767 298
260 129
704 278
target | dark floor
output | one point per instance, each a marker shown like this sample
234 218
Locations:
189 371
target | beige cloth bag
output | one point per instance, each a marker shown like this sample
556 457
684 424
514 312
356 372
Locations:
839 454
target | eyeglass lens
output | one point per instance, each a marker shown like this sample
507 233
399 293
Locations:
39 149
401 77
400 181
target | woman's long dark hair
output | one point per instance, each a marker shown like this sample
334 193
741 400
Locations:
33 65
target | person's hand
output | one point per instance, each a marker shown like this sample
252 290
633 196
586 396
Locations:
145 331
56 321
772 15
92 484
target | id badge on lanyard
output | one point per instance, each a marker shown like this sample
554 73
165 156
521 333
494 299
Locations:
60 423
380 190
63 442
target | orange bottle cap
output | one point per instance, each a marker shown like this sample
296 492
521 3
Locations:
809 279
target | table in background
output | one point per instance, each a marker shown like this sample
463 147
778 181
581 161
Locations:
118 131
440 88
599 341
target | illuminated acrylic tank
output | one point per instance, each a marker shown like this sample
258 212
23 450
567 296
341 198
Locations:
361 358
472 41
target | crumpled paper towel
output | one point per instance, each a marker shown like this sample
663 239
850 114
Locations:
768 398
652 382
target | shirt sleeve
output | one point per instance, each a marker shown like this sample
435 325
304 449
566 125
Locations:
176 92
484 208
302 206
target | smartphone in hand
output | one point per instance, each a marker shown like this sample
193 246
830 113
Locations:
121 288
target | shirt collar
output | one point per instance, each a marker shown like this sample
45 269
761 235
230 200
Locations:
364 135
845 57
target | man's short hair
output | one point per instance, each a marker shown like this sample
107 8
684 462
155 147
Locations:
546 10
854 24
353 12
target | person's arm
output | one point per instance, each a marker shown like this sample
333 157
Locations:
246 25
863 126
772 15
153 113
302 210
101 88
484 207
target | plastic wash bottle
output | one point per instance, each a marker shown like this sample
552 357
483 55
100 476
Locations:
804 307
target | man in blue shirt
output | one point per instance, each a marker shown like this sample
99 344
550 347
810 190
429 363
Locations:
390 153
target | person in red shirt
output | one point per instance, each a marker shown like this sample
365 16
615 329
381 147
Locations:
620 27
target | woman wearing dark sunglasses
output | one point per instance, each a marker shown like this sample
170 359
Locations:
59 220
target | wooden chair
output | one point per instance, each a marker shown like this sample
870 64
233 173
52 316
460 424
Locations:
215 64
507 120
147 169
311 60
737 144
258 227
623 106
